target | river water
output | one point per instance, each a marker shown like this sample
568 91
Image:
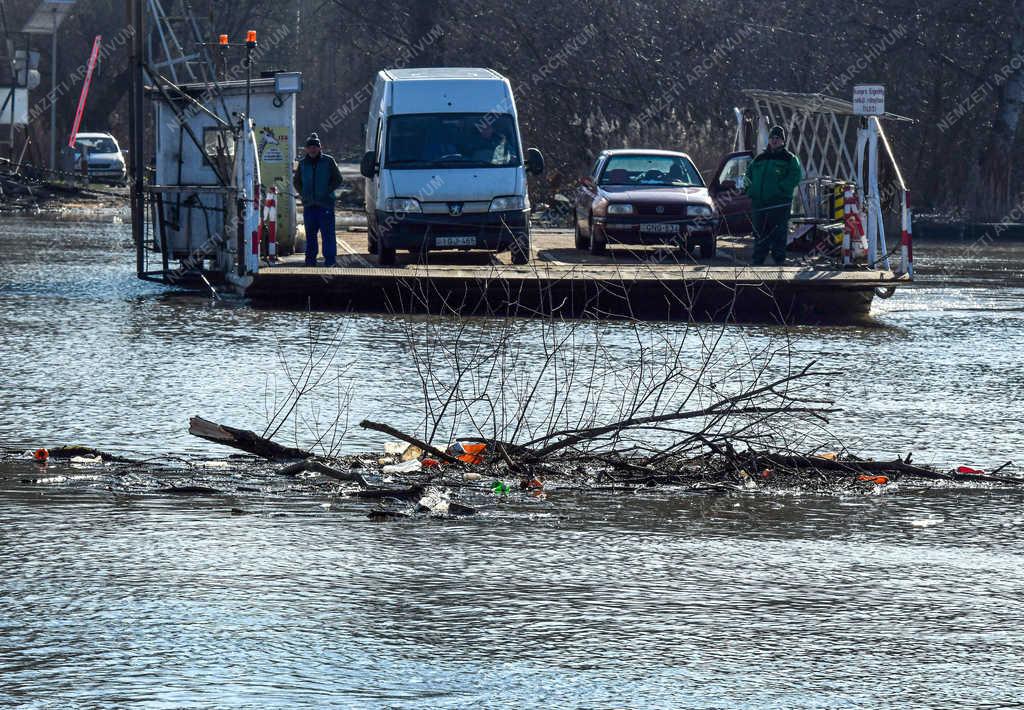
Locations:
908 598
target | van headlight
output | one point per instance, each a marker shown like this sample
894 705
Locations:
402 204
699 211
620 208
508 203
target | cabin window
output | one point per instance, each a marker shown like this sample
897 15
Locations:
217 140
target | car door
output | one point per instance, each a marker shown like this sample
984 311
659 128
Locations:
585 196
727 190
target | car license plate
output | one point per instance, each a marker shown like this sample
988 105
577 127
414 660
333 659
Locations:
660 228
455 241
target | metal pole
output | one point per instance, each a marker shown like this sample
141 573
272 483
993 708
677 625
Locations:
11 96
248 78
873 196
240 174
907 237
14 94
53 101
239 227
136 160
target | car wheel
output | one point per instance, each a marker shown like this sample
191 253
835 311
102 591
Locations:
581 242
686 251
708 247
598 245
520 249
385 256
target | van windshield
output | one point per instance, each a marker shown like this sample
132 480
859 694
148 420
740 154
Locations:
452 140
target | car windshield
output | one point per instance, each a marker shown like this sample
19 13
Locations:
96 145
655 170
452 140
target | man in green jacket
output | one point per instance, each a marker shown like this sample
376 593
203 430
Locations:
316 179
772 177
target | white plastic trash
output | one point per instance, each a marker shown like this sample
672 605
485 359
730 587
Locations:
410 466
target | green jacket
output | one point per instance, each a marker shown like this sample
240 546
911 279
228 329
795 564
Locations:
772 177
316 180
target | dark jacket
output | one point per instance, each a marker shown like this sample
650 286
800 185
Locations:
772 177
316 180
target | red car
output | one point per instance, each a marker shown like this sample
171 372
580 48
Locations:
645 197
726 189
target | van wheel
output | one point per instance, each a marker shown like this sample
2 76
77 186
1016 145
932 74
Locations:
520 249
598 245
385 256
581 242
371 242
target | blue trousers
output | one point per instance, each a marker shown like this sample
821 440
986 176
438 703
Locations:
320 219
771 231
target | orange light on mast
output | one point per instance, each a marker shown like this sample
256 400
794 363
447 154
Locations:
250 36
223 39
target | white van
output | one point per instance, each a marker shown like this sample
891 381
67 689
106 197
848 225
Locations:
444 164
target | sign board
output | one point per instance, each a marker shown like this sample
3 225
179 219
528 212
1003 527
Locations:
274 146
869 99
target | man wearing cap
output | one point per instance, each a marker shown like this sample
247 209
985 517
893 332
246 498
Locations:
316 179
772 177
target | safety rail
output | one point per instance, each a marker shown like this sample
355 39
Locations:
832 141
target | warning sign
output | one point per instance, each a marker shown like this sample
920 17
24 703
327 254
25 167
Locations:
869 99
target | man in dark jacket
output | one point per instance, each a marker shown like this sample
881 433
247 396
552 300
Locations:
316 179
772 177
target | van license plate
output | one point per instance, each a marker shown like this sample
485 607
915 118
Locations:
660 228
455 241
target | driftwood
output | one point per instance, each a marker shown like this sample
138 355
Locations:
880 467
414 492
69 452
336 474
189 490
391 431
245 440
255 444
294 469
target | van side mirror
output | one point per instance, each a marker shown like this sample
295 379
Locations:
368 165
534 161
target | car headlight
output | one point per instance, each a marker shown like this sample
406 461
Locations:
621 208
507 203
699 211
402 204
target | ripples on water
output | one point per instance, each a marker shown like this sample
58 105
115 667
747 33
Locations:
602 601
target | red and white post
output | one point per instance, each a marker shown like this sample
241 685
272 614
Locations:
257 234
907 237
848 214
272 224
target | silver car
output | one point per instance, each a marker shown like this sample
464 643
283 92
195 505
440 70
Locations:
106 163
